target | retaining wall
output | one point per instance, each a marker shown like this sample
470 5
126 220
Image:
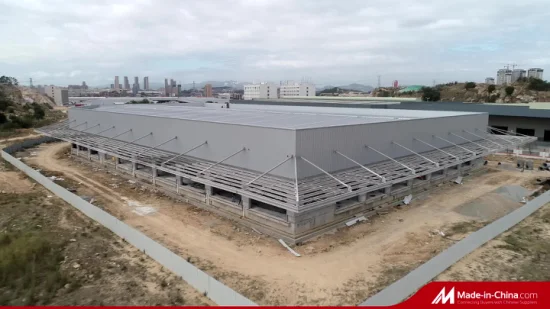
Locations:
213 289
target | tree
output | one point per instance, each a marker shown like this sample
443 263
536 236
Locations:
509 90
3 118
6 80
430 94
38 111
538 85
470 85
491 88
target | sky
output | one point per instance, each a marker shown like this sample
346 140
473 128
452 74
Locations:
329 42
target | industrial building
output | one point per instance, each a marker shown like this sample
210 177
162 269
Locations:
291 89
291 172
261 91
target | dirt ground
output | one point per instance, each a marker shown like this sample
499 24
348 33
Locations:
521 254
51 254
340 268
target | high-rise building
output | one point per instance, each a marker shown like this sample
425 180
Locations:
490 81
261 91
173 88
291 89
179 90
166 89
136 82
84 86
535 73
208 90
146 83
504 76
126 83
112 86
60 96
517 74
116 83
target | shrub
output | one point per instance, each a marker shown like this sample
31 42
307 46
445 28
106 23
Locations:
3 118
491 88
509 90
430 94
470 85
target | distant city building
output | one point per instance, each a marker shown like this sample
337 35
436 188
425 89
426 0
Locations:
136 82
535 73
135 89
224 95
208 90
504 76
126 83
112 86
297 90
117 84
173 88
166 89
146 83
395 84
490 81
84 86
261 91
59 95
517 74
179 90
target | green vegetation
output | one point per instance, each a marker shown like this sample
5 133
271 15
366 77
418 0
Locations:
470 85
6 80
538 85
491 88
333 90
144 101
509 90
430 94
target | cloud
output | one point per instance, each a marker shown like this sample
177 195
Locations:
66 42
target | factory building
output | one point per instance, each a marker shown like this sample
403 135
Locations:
59 95
261 91
291 172
289 90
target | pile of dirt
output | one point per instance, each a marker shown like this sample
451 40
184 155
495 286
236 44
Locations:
495 204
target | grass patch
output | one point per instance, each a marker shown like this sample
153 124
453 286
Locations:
464 227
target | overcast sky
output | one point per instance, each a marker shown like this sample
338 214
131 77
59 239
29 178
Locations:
328 41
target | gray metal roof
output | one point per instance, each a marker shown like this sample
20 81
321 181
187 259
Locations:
271 117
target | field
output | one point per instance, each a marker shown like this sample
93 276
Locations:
341 268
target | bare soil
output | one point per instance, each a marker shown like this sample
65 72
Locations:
340 268
51 254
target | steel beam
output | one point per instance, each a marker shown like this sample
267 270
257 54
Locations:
507 133
132 141
362 166
104 131
439 149
97 125
500 145
496 136
416 153
265 173
448 141
296 179
85 122
110 138
392 159
451 133
223 160
156 146
327 173
183 153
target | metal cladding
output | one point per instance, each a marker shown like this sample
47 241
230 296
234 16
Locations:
296 160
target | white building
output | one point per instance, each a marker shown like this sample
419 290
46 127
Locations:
59 95
535 73
297 90
490 81
261 91
504 77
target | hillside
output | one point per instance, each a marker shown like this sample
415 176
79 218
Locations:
22 109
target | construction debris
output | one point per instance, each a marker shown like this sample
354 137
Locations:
407 200
289 249
458 180
355 220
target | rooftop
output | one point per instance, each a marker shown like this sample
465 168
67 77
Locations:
291 118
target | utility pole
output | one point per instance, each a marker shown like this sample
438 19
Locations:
30 82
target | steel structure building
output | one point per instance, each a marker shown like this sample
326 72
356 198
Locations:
291 172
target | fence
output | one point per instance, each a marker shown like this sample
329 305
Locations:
419 277
213 289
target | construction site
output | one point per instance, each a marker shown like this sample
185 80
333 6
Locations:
360 194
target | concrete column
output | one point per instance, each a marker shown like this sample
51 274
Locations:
77 149
178 183
208 190
155 174
362 197
134 166
101 157
429 177
410 182
387 190
246 205
89 154
446 171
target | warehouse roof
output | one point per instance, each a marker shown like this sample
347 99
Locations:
270 117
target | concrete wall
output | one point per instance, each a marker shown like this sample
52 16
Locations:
268 146
318 145
213 289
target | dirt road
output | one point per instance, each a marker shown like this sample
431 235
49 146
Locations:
338 269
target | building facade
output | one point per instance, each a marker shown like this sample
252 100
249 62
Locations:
535 73
59 95
136 82
261 91
146 83
504 77
117 84
517 74
126 83
208 90
490 81
297 90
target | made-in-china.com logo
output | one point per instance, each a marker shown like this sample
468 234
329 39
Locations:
443 297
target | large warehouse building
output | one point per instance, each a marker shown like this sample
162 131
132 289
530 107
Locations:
292 172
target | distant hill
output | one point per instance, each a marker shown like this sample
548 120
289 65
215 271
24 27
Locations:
352 87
